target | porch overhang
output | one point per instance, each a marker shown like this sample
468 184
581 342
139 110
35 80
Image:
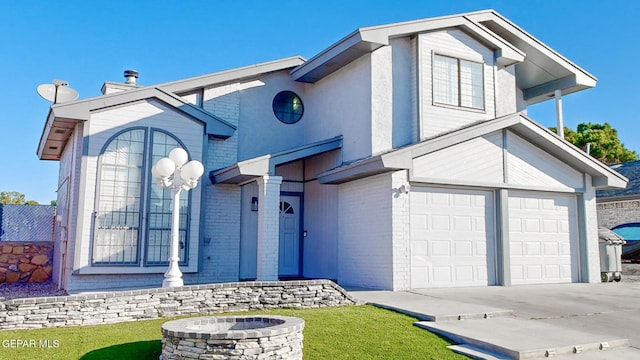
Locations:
402 159
247 170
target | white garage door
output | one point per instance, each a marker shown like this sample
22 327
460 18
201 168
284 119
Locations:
543 236
452 238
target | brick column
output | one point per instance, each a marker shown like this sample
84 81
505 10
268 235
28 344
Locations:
268 227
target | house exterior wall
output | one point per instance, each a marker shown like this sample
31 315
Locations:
320 246
614 213
404 78
507 95
381 100
340 104
437 119
491 160
221 207
589 247
66 209
259 131
401 232
96 133
479 159
365 233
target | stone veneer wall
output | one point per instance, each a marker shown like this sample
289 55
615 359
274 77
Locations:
615 213
25 261
113 307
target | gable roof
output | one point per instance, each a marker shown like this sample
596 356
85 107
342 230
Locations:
631 170
539 69
63 117
402 158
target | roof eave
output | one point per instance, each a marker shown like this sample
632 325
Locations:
185 85
368 39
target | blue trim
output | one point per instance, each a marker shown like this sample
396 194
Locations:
299 195
96 203
148 184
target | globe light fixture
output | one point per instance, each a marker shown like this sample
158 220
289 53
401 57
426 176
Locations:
176 173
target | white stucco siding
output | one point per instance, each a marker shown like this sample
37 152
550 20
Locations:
99 130
365 254
381 100
478 160
340 104
401 232
404 92
529 165
589 242
506 93
259 131
436 119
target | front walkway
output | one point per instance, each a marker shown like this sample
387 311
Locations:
528 321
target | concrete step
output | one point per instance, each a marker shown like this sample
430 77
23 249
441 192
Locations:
429 308
522 339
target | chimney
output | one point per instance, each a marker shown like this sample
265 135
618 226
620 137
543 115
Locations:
130 83
130 76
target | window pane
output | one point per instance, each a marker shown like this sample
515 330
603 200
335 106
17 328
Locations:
445 80
471 85
118 202
159 235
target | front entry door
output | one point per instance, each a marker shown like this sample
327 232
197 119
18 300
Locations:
289 249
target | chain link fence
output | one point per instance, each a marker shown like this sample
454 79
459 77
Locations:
27 222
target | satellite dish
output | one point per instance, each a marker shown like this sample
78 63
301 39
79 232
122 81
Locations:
58 92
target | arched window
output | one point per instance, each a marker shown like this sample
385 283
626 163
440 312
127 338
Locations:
125 193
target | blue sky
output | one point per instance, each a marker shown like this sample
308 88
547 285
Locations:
89 42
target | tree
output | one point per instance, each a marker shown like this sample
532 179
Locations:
604 142
54 203
15 198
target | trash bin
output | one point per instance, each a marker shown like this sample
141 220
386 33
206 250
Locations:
610 255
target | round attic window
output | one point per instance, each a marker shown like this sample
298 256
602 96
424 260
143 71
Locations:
288 107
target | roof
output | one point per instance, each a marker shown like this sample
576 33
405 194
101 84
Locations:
62 118
539 69
602 175
631 170
247 170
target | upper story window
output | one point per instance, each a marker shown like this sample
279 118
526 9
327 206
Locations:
458 82
287 107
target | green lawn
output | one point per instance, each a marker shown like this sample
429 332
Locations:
351 332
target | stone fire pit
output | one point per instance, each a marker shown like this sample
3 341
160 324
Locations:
246 337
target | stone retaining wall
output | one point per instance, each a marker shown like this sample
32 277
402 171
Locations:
113 307
25 261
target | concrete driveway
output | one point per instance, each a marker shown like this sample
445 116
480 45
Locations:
535 321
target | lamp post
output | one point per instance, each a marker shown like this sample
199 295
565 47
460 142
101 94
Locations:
176 174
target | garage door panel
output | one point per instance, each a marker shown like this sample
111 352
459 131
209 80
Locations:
542 238
459 230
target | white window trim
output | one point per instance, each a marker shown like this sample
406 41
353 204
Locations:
478 60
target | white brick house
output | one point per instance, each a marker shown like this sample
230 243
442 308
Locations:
399 157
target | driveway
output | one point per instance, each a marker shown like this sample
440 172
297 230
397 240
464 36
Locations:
529 321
